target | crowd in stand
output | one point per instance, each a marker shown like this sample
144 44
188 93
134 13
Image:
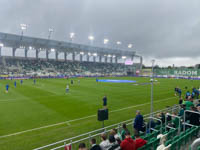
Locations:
124 141
116 141
40 66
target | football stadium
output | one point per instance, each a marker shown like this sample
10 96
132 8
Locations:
60 94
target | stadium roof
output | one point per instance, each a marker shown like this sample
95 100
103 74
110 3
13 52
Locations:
18 41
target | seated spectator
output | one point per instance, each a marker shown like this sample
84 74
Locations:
138 122
113 143
116 135
123 131
160 116
94 145
128 143
139 142
188 104
152 124
105 144
175 120
82 146
162 142
193 117
181 112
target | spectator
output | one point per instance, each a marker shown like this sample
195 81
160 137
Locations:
175 120
82 146
138 122
194 117
105 144
188 104
128 143
116 135
139 142
180 101
94 145
181 112
151 124
123 131
114 144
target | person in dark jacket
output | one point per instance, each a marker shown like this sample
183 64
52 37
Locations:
194 117
114 144
94 145
138 122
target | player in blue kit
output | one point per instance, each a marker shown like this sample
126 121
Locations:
7 87
15 84
21 82
34 81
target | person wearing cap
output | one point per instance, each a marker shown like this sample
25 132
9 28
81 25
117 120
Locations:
128 143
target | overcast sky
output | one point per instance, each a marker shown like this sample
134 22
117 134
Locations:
166 30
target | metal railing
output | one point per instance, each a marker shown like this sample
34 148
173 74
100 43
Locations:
96 133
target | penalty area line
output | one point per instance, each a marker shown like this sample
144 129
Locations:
78 119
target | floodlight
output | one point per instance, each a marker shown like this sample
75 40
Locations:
1 45
23 26
109 55
91 38
95 54
82 53
30 48
105 41
72 35
123 57
119 43
105 55
50 29
130 45
52 50
114 56
89 54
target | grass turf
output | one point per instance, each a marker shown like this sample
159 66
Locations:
30 106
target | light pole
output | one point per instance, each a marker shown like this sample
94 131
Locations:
1 45
23 28
50 32
152 80
72 35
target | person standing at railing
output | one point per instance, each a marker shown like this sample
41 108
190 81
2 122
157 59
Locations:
138 122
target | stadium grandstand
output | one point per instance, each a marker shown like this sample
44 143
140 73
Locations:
107 63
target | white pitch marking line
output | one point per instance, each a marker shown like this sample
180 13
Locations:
66 122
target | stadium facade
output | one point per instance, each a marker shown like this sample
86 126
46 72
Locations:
49 46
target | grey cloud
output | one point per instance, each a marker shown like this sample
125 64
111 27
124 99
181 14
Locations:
160 29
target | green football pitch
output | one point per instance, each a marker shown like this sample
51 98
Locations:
35 115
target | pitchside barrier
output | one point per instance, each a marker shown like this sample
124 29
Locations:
86 137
